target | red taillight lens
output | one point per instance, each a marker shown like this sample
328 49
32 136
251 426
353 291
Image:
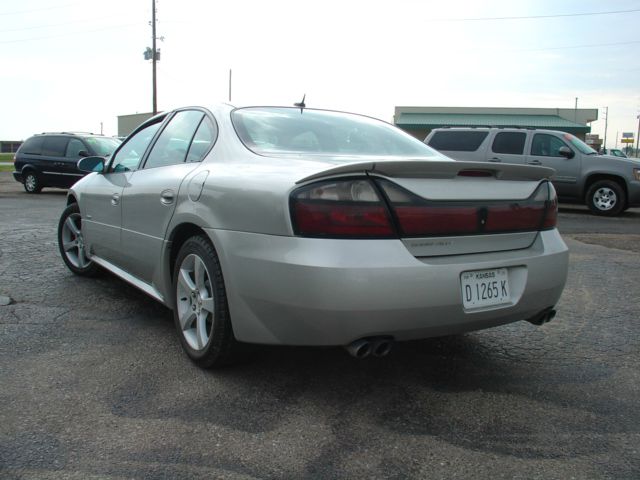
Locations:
551 214
434 220
340 209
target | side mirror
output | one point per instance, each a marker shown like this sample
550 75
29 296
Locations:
91 164
83 153
566 152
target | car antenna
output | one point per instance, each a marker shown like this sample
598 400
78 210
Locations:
301 104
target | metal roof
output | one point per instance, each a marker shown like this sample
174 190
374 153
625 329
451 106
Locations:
435 120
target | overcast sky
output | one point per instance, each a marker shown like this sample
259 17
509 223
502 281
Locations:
70 65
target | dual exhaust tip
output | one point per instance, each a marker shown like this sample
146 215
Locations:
543 317
375 346
381 346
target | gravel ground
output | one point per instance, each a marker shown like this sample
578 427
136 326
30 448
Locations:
93 383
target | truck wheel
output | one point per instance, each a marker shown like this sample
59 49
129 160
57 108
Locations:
606 197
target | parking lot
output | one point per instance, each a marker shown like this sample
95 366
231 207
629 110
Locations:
94 384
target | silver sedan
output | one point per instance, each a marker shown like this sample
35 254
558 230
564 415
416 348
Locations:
295 226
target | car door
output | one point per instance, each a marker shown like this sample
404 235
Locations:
101 198
507 147
149 197
545 151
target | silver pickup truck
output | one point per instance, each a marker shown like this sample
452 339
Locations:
608 185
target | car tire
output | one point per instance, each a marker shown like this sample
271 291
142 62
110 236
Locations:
200 309
71 243
606 197
32 183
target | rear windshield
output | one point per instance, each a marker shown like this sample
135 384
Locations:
457 141
103 146
281 130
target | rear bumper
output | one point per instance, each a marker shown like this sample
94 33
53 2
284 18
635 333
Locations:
18 177
300 291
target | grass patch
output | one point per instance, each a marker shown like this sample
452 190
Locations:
6 157
6 168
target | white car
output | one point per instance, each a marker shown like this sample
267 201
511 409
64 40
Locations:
294 226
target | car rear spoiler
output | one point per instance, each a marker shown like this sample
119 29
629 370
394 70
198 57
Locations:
434 169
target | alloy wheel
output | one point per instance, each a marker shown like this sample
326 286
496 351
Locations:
73 241
195 302
605 198
30 182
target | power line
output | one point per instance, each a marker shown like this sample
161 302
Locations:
58 24
591 45
534 17
2 14
85 32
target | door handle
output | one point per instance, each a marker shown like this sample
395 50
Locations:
495 159
115 199
167 197
535 162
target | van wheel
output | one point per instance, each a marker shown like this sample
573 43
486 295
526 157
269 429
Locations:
31 183
606 197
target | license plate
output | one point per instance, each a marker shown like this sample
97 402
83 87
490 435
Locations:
482 288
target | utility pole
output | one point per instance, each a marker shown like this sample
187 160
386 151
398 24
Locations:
154 55
575 112
606 124
638 138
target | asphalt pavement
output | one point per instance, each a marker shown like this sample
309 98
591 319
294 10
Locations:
93 382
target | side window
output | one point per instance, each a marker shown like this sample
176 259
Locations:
456 141
74 148
173 143
129 156
545 145
55 146
205 137
509 142
33 146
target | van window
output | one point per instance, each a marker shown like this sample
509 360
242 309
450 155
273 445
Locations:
74 148
509 142
457 141
55 146
33 146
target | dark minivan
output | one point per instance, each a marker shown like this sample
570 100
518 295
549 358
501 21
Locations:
50 159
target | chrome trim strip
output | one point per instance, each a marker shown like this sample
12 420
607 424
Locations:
59 173
127 277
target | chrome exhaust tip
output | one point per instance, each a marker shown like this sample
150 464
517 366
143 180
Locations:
381 347
543 317
359 348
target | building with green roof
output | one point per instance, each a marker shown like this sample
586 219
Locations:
419 121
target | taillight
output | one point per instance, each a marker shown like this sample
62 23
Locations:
551 213
354 208
340 209
417 216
